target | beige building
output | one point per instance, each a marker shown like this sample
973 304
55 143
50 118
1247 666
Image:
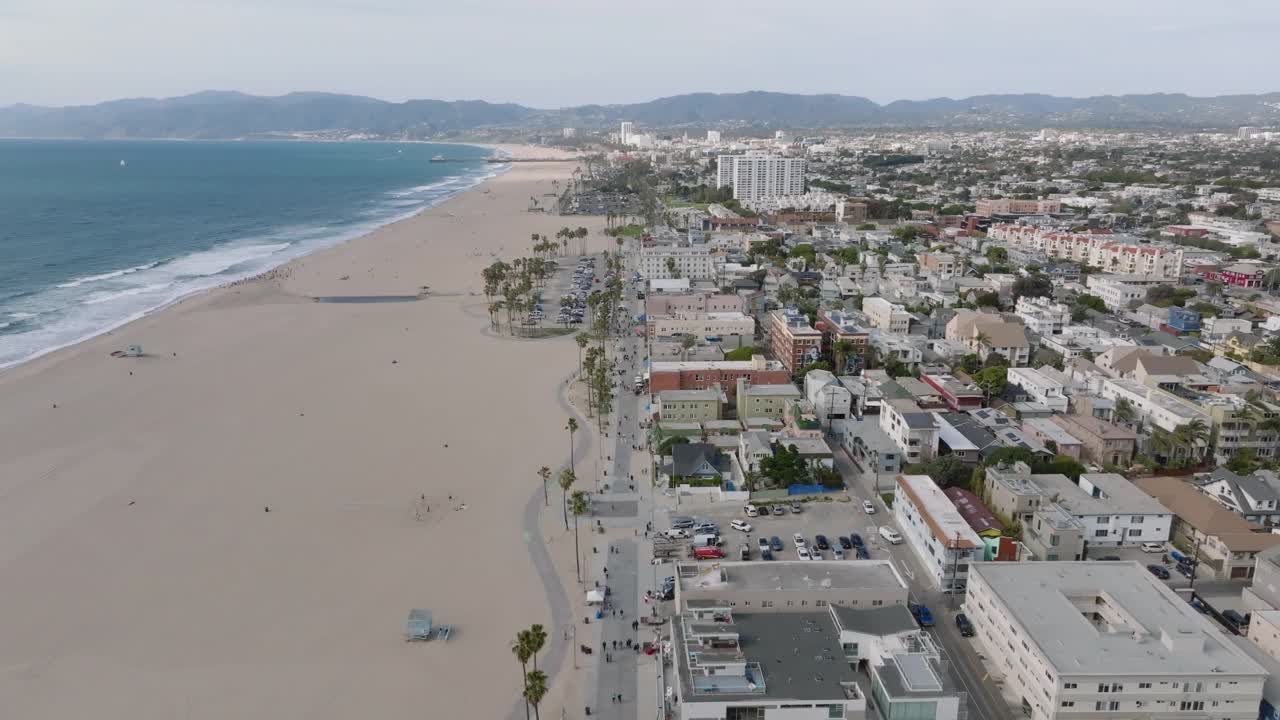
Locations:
702 325
1226 544
1101 441
1054 534
886 315
1011 492
764 401
1090 640
690 405
1012 206
1264 631
984 333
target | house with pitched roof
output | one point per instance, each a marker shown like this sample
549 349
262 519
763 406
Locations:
1255 497
1225 544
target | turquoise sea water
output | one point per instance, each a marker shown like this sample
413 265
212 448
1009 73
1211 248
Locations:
94 234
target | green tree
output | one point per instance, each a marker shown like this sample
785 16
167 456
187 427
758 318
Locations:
523 652
535 688
948 471
567 479
992 380
1033 285
579 505
1243 462
840 352
687 342
583 341
1123 411
572 427
664 448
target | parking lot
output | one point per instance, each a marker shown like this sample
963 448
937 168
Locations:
831 519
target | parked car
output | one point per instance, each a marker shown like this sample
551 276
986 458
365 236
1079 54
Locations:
1159 571
837 553
750 510
795 508
860 552
681 522
802 552
766 554
775 543
1108 558
1152 547
845 542
762 510
741 526
708 552
744 552
677 534
963 624
706 527
706 539
1237 620
856 539
890 535
922 615
779 510
798 540
763 543
822 543
1186 570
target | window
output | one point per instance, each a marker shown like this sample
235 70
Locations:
1068 703
1114 705
766 603
1135 533
1144 686
1186 705
1137 519
1101 533
1104 687
1069 686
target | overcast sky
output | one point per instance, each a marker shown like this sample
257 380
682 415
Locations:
551 53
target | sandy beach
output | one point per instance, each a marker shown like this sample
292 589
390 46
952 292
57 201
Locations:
394 444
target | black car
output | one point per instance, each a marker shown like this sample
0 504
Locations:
762 510
862 553
1108 558
1159 571
775 543
965 627
845 543
821 540
766 554
856 539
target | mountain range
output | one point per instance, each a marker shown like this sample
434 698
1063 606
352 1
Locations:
217 114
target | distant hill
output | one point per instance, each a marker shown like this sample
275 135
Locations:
233 115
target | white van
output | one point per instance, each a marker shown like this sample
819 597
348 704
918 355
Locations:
890 535
706 540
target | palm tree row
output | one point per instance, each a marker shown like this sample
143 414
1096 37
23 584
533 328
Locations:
527 645
510 287
579 234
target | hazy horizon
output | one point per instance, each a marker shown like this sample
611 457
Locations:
574 52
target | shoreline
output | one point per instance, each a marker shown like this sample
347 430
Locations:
237 523
482 176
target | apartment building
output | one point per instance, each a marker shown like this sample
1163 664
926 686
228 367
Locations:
984 333
1040 387
912 429
703 374
957 395
939 265
1087 639
887 316
765 401
1042 315
1096 250
986 207
1119 291
1054 534
1054 437
671 262
694 302
837 327
936 531
709 326
1154 406
1102 442
1226 545
690 405
792 341
758 175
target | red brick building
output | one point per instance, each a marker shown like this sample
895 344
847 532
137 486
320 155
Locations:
1241 275
700 375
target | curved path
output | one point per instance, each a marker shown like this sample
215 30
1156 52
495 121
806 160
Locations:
552 584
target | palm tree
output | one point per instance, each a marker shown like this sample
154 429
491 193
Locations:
686 344
1123 410
572 427
567 479
521 649
583 341
544 472
1189 434
579 506
840 352
537 641
535 688
982 339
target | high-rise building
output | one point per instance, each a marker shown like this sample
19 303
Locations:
713 136
758 175
624 133
569 132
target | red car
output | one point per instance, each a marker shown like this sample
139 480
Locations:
708 553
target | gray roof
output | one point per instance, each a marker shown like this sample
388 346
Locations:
1121 496
794 575
799 655
1255 486
970 428
688 457
887 620
1043 600
708 395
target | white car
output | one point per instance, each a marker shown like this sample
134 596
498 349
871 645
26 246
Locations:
678 534
751 511
798 539
890 535
1151 547
741 526
868 508
802 552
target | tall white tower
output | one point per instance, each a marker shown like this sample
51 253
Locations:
624 135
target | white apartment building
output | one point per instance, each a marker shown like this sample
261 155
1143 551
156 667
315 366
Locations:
1152 405
1105 640
1114 511
625 131
1118 291
569 132
886 315
670 262
1042 315
1269 194
713 137
912 429
1042 388
702 325
1102 251
940 537
758 175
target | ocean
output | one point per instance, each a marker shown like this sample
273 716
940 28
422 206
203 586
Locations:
95 234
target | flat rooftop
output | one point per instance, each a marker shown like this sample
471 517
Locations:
792 656
1118 495
944 521
723 365
689 395
1156 632
789 575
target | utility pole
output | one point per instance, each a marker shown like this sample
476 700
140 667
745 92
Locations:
1195 563
955 567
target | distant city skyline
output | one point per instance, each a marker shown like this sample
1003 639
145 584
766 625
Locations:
575 52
